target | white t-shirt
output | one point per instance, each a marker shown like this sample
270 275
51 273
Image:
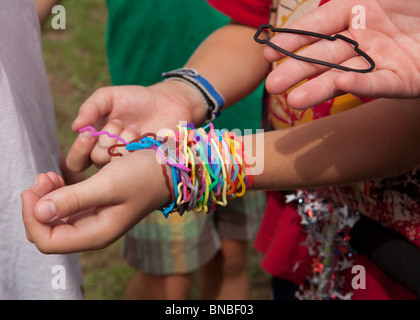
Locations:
28 147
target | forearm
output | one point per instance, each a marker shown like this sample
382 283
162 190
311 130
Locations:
231 61
44 9
376 140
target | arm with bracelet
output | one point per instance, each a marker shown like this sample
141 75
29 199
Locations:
94 213
330 151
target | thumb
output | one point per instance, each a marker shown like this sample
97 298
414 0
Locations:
76 198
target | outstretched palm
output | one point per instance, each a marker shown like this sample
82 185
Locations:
391 37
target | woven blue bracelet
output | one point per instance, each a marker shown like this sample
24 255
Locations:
214 100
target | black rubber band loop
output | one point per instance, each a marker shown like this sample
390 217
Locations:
316 35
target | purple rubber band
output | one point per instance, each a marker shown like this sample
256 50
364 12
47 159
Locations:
95 134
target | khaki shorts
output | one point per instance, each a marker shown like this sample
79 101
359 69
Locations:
180 245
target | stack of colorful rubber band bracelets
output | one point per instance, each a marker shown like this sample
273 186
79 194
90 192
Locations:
208 168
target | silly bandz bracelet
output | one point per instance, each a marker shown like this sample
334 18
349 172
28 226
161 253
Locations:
208 166
316 35
95 134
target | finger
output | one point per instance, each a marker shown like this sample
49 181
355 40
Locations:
100 155
45 183
96 228
97 106
292 71
96 191
57 180
32 225
112 129
58 238
329 19
314 92
321 88
91 230
78 158
381 83
130 133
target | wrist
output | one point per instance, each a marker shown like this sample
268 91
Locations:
212 99
163 177
191 106
194 170
134 169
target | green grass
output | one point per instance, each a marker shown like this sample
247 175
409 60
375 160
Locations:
105 273
76 61
76 64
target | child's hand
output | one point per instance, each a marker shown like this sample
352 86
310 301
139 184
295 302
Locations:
391 38
93 213
128 112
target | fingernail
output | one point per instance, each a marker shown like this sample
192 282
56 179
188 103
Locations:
133 127
46 211
86 136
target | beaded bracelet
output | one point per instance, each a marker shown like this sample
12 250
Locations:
208 166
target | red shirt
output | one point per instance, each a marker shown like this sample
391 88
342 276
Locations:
249 12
